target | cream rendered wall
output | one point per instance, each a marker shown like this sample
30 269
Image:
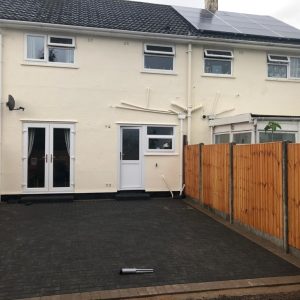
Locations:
107 72
247 91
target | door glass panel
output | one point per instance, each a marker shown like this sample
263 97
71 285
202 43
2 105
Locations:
36 158
131 144
61 157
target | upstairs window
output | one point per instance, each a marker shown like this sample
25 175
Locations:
282 66
278 66
218 62
50 48
159 57
160 138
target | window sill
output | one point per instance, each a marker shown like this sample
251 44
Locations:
51 65
161 154
218 76
160 72
283 80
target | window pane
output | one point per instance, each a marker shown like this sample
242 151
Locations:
59 40
160 143
215 66
35 47
242 138
159 48
130 144
61 157
278 71
219 52
276 137
158 62
36 158
63 55
159 130
222 138
295 67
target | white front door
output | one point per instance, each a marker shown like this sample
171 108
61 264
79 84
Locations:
48 157
131 173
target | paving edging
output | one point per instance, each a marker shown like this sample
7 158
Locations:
176 289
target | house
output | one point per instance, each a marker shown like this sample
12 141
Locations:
109 87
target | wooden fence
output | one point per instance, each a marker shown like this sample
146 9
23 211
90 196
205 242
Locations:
254 185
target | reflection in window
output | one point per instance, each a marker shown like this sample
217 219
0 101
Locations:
242 138
223 138
265 137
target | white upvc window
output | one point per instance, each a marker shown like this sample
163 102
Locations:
159 57
218 62
51 48
160 138
283 66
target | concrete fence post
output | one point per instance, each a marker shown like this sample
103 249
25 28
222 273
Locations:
231 183
285 196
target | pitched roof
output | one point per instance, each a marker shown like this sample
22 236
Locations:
109 14
142 17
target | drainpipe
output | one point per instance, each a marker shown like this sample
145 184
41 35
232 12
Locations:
189 94
181 117
1 103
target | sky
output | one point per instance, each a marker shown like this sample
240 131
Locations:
287 11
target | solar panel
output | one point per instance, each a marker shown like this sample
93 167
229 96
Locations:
230 22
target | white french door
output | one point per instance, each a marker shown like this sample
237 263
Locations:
48 157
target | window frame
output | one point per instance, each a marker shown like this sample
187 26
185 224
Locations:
156 136
26 47
271 61
159 54
216 57
46 49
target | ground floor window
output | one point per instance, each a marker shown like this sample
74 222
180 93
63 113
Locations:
242 138
265 137
223 138
160 138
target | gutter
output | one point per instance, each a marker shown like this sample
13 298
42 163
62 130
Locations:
21 25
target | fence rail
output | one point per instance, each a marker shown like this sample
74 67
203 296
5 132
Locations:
247 183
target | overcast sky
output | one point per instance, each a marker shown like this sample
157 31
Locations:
285 10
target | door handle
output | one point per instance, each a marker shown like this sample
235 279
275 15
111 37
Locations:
46 158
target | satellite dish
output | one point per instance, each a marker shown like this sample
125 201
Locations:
11 103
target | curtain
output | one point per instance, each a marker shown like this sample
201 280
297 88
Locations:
31 134
295 67
67 139
35 47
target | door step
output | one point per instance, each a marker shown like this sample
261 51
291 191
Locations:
132 195
46 199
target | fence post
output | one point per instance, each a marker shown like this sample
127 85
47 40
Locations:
285 196
231 184
200 173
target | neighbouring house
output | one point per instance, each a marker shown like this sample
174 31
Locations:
109 88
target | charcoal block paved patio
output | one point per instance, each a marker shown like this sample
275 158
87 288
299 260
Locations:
48 249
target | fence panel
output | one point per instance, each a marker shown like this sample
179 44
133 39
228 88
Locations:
294 194
192 172
215 170
258 187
